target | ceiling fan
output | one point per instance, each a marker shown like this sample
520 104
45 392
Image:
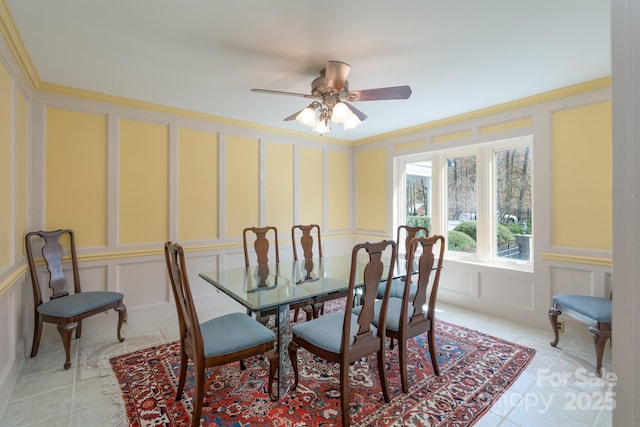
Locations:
331 92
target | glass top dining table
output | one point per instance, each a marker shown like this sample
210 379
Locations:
278 286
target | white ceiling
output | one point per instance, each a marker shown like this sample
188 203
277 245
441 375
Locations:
205 55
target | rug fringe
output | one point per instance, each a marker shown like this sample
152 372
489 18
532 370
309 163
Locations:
111 388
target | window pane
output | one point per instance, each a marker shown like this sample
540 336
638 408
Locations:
462 203
513 203
418 194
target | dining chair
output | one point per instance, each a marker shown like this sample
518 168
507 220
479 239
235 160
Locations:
344 337
219 341
66 310
403 239
261 252
596 312
303 236
406 316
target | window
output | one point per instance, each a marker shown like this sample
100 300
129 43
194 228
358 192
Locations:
479 197
462 206
512 181
417 199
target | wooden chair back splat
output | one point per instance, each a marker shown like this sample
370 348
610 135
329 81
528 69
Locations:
306 232
261 244
261 249
408 232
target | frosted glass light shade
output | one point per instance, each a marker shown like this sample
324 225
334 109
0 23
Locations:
307 117
352 122
322 127
341 113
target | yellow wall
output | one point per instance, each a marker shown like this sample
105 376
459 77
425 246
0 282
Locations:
279 187
22 123
514 124
581 175
197 185
76 174
5 167
310 194
144 201
77 193
337 191
371 197
242 184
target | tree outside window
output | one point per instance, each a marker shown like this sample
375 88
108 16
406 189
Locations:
462 205
512 172
418 194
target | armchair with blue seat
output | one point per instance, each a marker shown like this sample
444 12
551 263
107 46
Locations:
594 311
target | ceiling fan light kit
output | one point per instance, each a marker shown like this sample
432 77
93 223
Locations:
331 90
317 115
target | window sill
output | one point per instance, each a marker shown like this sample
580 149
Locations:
521 266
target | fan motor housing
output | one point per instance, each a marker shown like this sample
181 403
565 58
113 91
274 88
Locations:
319 89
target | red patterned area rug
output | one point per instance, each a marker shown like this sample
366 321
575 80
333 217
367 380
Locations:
475 369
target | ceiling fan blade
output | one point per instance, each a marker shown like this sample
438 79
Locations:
279 92
395 92
336 74
355 111
293 116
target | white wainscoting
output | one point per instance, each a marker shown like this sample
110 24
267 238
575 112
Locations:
522 296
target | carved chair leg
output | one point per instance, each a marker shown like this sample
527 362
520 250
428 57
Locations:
318 309
402 356
382 371
79 329
184 360
273 367
599 341
122 316
65 332
431 338
198 394
37 334
308 311
553 319
293 356
344 392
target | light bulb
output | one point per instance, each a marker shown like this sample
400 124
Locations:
341 113
352 122
322 127
307 117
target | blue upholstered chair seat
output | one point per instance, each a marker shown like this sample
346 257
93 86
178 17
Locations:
75 304
326 331
231 333
595 308
397 289
393 313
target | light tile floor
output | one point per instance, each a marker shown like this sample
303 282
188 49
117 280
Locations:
557 388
